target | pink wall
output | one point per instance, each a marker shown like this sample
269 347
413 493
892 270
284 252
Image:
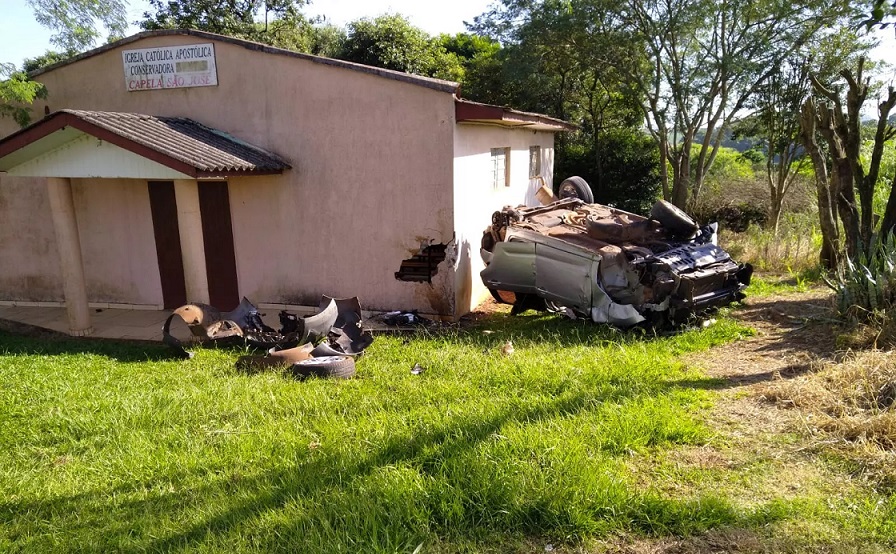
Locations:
371 178
122 270
29 263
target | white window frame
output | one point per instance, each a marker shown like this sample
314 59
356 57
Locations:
534 155
500 167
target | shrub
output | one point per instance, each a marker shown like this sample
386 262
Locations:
865 289
736 217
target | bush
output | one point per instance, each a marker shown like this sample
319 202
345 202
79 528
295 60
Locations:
628 174
736 217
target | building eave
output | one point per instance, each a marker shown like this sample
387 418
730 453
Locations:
467 111
187 155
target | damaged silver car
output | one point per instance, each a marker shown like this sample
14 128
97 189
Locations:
608 265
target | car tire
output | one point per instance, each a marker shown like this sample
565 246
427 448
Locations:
674 219
576 187
339 367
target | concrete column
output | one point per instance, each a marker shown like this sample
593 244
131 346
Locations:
68 243
189 224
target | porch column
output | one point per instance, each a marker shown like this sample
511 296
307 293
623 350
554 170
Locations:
189 224
68 243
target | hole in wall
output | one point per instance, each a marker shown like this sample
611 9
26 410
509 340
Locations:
422 266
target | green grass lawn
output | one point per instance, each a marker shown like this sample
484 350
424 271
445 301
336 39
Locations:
113 446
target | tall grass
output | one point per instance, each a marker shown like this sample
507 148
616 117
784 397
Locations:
795 249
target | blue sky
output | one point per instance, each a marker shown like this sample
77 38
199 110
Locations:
21 37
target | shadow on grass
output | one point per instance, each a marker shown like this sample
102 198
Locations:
332 493
805 329
57 344
530 326
556 328
737 380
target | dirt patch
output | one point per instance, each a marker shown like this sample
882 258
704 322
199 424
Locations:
793 331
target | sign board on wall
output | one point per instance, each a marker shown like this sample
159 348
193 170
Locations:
191 65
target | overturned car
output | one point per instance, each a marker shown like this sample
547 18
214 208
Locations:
611 266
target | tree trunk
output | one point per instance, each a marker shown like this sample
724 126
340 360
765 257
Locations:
841 183
681 178
829 255
664 165
774 216
889 222
843 191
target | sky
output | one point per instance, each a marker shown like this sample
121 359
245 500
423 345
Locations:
21 37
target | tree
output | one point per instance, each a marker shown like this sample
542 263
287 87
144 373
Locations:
776 105
881 13
705 59
838 121
553 61
278 19
830 234
16 93
75 21
391 42
326 40
76 24
48 58
778 102
482 67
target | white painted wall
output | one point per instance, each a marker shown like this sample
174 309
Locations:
86 156
476 199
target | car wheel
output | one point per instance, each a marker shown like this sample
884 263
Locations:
674 219
340 367
576 187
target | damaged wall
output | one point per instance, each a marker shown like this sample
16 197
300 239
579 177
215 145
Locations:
476 198
373 166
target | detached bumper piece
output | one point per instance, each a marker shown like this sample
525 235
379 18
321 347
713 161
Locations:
323 344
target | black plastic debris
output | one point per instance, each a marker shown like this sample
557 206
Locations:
336 329
404 318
